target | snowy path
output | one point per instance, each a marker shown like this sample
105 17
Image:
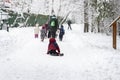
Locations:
84 59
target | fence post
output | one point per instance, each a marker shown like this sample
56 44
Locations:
114 34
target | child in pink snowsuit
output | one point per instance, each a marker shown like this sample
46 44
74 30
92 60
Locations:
36 31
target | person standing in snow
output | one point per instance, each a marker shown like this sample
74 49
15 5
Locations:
53 26
53 47
46 29
69 24
36 30
61 33
43 33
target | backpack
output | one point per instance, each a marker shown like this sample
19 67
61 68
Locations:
53 45
52 23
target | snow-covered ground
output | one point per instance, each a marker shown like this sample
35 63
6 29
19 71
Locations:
87 56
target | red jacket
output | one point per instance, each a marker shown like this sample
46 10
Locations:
53 45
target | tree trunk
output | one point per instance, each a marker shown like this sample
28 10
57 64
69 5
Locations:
98 26
86 29
86 24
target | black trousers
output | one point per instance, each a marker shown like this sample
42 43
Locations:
52 34
69 26
60 37
49 34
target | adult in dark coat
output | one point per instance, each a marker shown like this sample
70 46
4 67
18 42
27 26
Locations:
53 26
69 24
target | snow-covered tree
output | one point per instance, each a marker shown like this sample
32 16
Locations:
86 24
103 11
